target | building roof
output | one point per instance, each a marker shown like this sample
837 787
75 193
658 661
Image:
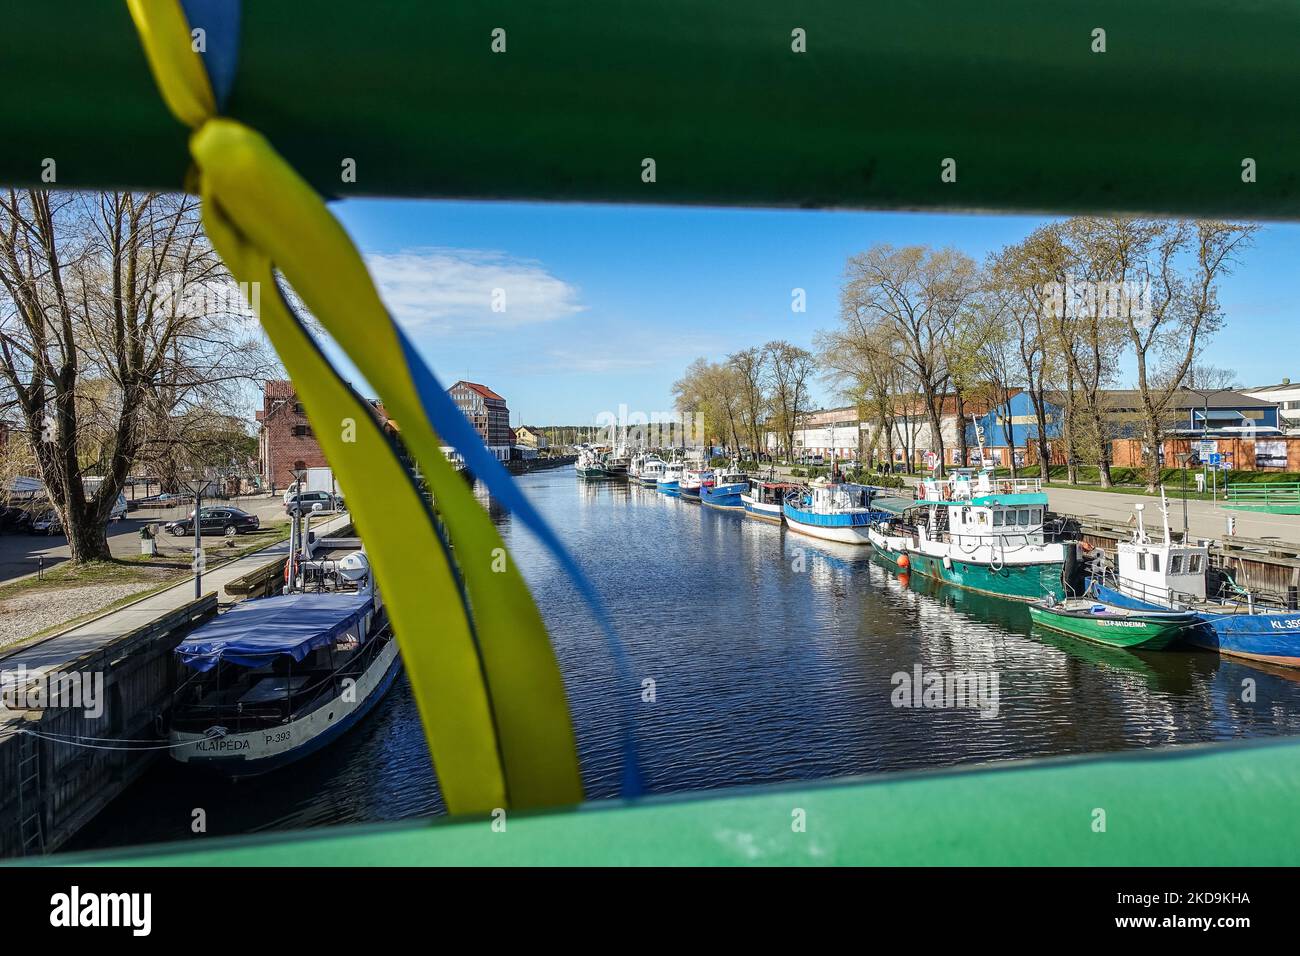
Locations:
1286 385
481 389
1187 398
1183 399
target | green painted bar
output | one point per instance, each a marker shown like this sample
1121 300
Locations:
1188 806
713 92
1013 92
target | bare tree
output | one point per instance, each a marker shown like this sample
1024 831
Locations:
1180 263
107 333
913 295
789 370
751 366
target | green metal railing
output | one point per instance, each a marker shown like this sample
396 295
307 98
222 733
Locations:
1185 92
1266 493
1191 109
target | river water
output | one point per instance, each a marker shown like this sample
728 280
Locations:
773 658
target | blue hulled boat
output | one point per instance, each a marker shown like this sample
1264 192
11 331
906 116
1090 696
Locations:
1155 575
832 512
670 478
727 492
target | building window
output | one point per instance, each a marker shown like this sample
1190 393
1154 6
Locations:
301 431
297 408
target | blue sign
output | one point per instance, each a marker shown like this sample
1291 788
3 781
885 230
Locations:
1214 459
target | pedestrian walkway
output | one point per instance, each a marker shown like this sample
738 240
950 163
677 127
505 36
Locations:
55 651
1205 519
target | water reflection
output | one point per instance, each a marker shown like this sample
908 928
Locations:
773 657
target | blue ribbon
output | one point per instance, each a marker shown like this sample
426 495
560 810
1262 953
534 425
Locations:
455 429
219 20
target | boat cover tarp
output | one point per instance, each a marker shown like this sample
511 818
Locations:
254 632
894 505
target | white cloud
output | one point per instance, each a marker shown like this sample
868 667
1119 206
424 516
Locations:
446 291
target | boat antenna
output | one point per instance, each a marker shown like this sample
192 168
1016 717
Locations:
1140 534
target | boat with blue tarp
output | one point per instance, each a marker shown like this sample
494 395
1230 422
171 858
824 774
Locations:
276 678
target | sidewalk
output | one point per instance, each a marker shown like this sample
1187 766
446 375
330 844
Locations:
1205 519
54 651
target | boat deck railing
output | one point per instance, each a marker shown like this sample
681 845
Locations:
930 490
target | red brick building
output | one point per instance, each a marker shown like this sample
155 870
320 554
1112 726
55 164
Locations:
488 413
285 440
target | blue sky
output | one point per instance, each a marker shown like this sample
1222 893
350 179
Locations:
606 305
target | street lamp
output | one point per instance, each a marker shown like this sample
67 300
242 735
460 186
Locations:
196 484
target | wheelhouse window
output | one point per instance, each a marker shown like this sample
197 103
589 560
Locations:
1175 564
1142 561
998 517
1194 563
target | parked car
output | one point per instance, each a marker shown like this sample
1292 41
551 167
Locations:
15 519
227 521
306 502
48 523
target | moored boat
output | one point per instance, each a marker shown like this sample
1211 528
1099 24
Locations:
765 500
728 490
832 512
1111 624
693 481
1164 574
591 467
277 678
977 532
670 478
651 470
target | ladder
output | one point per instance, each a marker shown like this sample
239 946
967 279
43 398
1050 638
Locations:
31 829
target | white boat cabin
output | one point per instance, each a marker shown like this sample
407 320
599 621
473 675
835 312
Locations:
836 499
1164 572
1024 522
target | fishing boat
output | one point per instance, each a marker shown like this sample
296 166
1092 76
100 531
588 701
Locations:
590 466
1111 624
1154 574
651 470
727 491
638 464
670 478
765 500
277 678
978 532
693 481
833 512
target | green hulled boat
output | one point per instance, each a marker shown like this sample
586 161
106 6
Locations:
1109 624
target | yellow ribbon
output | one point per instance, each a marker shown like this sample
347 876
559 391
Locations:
493 708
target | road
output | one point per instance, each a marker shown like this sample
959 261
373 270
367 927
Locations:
1205 519
20 554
